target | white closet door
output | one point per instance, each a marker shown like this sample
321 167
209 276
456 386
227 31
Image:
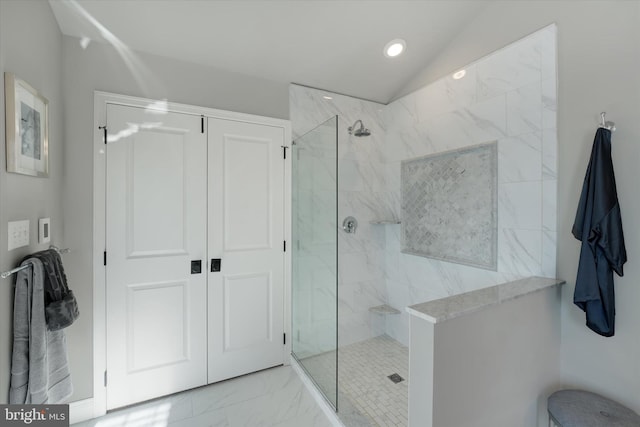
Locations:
156 219
246 229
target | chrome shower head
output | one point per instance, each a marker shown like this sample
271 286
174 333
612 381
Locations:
361 131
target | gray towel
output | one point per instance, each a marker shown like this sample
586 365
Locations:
61 308
39 365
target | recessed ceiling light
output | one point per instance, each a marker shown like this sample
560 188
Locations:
327 97
394 48
459 74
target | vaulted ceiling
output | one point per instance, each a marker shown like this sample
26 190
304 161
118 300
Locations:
329 44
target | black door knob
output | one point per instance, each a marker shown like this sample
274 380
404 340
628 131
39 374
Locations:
196 266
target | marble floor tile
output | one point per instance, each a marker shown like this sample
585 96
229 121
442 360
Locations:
317 419
290 401
273 397
208 419
155 413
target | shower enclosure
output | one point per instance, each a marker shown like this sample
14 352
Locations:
338 305
315 256
353 272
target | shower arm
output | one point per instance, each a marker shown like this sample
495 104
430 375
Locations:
351 128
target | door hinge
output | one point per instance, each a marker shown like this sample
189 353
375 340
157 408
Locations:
201 124
105 378
104 129
104 258
284 246
284 339
284 152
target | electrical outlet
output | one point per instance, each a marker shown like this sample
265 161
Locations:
18 234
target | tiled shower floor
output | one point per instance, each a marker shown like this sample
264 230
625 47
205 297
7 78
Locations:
366 396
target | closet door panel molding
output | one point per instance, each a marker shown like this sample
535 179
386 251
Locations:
155 222
246 231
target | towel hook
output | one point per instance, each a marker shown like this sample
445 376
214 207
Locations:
606 124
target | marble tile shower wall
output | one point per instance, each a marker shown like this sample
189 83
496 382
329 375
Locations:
508 97
362 194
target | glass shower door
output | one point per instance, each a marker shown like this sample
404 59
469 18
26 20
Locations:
315 256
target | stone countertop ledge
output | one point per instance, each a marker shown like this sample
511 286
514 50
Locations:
454 306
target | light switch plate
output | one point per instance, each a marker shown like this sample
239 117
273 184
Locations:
18 234
44 230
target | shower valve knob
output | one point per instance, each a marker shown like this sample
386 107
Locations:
350 224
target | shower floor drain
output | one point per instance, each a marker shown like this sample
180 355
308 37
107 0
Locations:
395 378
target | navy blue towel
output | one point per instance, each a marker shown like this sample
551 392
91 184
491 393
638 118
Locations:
598 226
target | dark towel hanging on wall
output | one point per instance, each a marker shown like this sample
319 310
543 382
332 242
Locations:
61 308
598 225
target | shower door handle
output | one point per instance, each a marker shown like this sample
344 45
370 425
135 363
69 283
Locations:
216 264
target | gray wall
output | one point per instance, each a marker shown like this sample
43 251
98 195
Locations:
474 364
598 59
34 54
99 67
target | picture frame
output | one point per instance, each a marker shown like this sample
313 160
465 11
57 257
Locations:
27 128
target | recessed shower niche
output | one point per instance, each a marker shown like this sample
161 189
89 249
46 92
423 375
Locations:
450 206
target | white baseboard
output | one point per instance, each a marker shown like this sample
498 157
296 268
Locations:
81 410
317 396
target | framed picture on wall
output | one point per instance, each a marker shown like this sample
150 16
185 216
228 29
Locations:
27 128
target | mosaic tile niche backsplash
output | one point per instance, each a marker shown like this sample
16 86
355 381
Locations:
450 206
